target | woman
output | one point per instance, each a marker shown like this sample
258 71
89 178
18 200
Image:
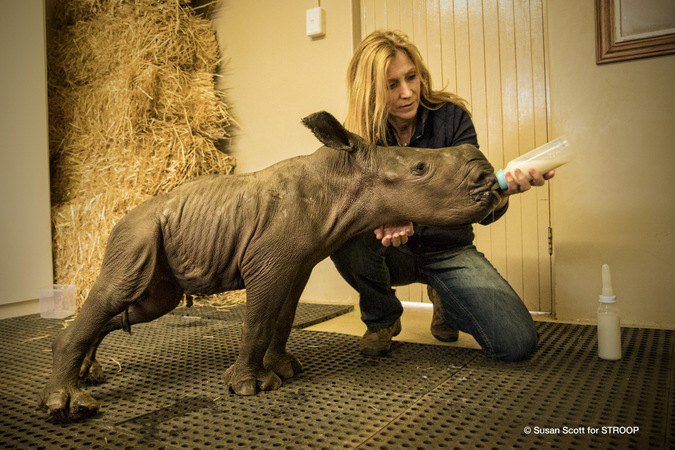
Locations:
391 102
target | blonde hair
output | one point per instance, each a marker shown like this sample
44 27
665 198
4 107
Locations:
367 85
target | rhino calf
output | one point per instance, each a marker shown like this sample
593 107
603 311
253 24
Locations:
262 231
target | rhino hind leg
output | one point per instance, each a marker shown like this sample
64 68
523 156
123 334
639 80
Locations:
75 353
62 398
163 297
132 276
91 371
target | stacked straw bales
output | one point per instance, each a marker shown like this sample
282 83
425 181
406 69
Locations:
133 112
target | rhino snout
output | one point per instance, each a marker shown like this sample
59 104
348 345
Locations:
482 191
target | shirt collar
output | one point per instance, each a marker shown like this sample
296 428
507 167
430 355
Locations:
422 117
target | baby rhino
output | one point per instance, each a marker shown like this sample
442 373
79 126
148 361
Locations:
262 231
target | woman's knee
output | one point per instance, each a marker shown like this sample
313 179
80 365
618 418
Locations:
517 346
358 255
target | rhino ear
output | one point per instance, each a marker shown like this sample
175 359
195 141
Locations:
331 133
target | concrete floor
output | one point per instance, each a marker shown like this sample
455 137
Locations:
414 322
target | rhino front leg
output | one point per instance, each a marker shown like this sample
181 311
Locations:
267 313
277 359
247 375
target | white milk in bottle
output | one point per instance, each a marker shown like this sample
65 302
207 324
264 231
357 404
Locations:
549 156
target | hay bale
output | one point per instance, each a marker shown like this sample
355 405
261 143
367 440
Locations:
133 112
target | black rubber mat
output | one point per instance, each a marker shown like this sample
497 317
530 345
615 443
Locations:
306 315
165 390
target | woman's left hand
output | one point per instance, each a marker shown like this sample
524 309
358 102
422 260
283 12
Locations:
518 184
395 235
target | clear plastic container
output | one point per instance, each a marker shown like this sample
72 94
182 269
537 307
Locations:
549 156
58 301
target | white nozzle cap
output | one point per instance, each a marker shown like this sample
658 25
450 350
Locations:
607 295
606 281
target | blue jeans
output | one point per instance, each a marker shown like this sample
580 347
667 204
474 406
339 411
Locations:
475 297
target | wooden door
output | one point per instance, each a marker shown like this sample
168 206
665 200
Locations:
492 53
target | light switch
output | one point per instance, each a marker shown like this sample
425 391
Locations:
316 22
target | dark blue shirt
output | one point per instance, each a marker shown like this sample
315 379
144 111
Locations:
448 126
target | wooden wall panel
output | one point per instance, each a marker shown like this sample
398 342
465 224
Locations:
492 54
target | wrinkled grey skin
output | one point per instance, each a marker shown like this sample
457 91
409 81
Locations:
264 231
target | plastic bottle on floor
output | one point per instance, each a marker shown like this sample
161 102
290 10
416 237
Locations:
609 326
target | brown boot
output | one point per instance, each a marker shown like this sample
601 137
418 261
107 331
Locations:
439 328
378 343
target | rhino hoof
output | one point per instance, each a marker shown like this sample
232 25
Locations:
94 375
63 407
262 380
286 365
270 381
246 387
56 406
82 405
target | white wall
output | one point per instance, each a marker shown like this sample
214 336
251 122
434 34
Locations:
615 202
25 231
274 76
613 205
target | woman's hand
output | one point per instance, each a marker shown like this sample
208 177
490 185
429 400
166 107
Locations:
395 234
518 183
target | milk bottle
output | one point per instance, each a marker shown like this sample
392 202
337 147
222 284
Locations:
609 327
549 156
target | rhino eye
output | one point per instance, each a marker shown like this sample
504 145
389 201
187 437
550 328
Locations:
420 168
